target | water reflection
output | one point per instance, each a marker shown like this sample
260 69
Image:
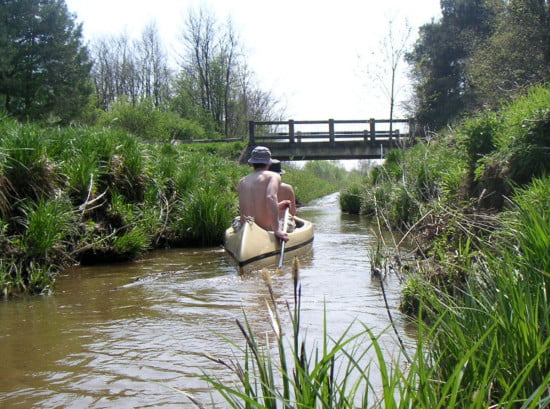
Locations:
116 336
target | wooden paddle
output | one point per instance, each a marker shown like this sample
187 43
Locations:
282 256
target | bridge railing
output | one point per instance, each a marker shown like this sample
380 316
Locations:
367 131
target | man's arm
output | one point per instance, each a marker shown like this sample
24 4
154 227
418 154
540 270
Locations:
289 193
273 207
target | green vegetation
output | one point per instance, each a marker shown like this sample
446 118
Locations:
45 68
315 179
86 195
480 54
475 200
478 290
332 374
465 354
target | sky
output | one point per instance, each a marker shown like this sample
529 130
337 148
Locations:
312 55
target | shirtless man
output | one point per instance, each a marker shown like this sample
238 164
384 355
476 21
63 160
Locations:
286 191
258 193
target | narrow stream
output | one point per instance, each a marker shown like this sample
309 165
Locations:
118 336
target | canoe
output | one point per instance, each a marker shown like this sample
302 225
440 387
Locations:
252 247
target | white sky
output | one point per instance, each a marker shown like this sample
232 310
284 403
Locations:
311 54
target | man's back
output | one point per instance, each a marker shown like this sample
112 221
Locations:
257 194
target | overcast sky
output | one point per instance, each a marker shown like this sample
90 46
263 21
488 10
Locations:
311 54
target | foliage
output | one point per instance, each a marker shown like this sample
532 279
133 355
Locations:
515 56
330 375
88 195
438 60
481 53
145 120
308 184
479 136
521 145
351 198
506 294
485 347
44 71
46 223
205 214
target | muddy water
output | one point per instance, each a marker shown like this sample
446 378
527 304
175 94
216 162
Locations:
120 336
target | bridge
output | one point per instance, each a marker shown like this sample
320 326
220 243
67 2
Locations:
330 139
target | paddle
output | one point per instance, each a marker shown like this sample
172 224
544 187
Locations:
282 256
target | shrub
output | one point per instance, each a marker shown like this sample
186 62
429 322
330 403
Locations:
145 120
205 214
46 224
351 199
522 145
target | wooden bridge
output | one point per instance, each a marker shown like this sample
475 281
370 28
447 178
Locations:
331 139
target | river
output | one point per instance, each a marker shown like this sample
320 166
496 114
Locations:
121 335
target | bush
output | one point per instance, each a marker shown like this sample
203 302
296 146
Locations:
522 147
351 199
147 121
205 215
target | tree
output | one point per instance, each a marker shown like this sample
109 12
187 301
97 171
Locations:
516 55
393 47
44 66
440 56
214 83
154 73
135 70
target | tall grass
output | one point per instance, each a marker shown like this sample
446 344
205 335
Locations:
486 347
333 373
46 224
205 213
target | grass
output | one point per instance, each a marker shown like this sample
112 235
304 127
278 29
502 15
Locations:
487 345
77 194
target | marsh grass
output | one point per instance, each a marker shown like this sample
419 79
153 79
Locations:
204 214
46 224
288 371
486 346
76 194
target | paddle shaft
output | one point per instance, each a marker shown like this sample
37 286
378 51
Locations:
285 223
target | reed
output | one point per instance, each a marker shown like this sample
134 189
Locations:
299 374
351 199
205 213
485 346
46 224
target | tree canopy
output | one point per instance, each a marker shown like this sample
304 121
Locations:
479 53
44 66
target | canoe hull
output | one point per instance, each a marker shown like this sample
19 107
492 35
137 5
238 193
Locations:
252 247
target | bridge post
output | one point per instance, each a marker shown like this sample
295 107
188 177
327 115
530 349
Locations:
291 130
251 132
331 130
372 129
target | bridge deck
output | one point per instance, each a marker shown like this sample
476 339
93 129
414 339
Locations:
320 140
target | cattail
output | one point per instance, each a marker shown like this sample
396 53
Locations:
295 269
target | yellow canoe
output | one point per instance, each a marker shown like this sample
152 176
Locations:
252 247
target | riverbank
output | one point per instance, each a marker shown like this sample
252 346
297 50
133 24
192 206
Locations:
79 195
120 335
476 202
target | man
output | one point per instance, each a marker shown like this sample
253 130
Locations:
286 191
258 193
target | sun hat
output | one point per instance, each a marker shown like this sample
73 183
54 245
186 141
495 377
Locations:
260 154
276 166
